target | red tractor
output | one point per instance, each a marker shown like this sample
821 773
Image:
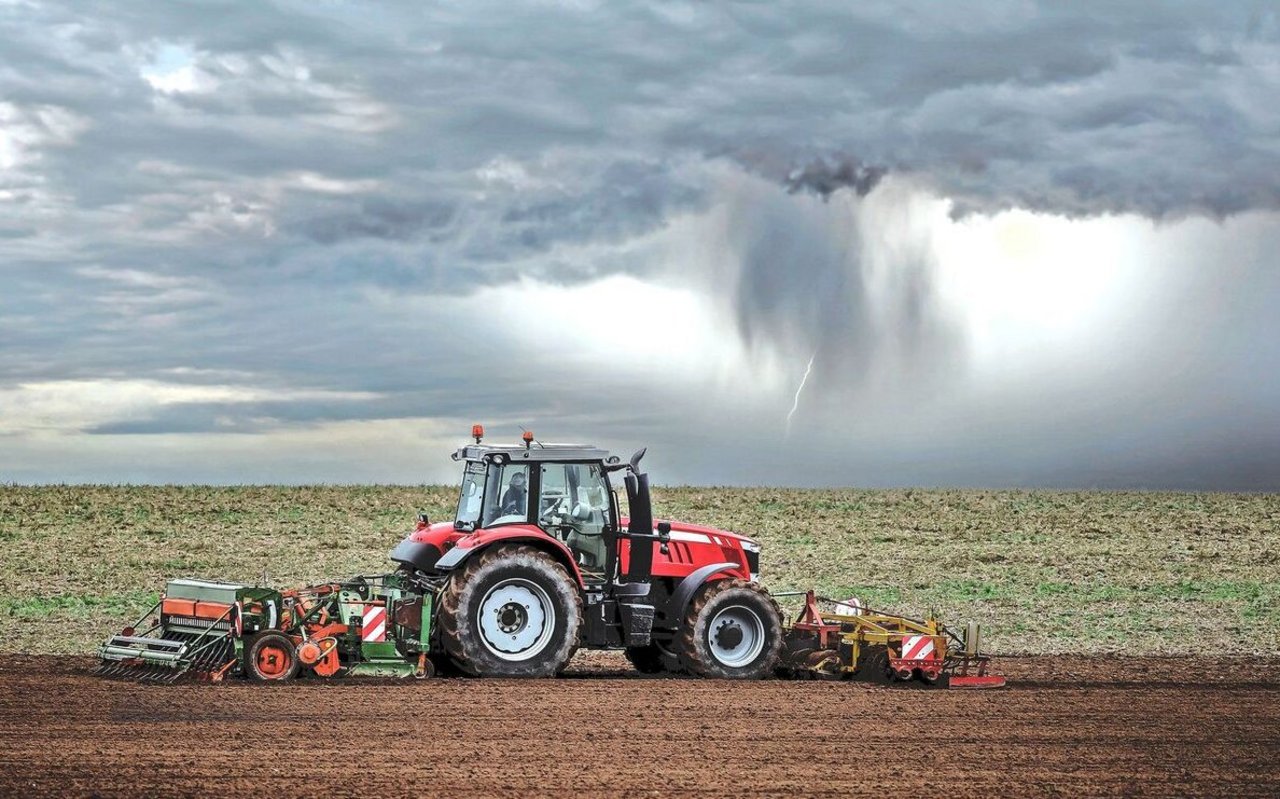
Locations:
540 561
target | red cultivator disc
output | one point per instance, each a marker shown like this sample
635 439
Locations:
274 661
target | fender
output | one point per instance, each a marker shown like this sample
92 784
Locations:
679 603
421 548
516 533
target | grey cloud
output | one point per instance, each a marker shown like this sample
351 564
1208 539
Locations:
376 217
458 147
825 177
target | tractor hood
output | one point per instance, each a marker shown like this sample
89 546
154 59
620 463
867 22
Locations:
698 530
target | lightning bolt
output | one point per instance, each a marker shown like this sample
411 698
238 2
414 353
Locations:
796 402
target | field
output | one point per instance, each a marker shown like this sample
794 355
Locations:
1046 572
1139 632
1066 726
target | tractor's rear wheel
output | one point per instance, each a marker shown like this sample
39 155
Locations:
272 657
510 611
732 630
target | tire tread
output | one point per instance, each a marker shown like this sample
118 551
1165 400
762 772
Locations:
697 660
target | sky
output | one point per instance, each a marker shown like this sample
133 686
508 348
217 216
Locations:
996 244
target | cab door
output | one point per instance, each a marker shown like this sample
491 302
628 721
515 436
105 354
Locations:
575 505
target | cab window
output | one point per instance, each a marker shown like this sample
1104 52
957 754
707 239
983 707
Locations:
507 495
573 505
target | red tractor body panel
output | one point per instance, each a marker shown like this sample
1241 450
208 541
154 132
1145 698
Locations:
691 546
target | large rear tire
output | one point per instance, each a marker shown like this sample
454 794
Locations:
510 611
732 630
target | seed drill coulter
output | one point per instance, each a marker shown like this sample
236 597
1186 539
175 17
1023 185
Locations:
538 563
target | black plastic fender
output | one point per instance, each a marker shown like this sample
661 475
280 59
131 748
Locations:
684 592
423 557
449 560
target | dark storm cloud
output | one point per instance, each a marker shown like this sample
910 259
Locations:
225 188
827 176
801 280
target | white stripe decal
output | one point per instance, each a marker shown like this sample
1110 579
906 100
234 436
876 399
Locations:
917 647
374 624
698 538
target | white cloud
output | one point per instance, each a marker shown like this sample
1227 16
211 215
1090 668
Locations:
27 130
70 406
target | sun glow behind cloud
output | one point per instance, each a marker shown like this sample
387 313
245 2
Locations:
1035 285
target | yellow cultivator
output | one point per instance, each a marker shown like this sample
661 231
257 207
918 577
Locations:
855 642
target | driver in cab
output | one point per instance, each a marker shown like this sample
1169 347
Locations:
516 498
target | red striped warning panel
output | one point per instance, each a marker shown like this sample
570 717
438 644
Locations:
917 647
374 626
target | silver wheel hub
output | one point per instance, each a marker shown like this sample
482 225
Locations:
516 619
736 636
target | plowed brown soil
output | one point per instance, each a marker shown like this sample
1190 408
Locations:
1065 726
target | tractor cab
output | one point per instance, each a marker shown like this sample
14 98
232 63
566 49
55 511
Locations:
556 497
563 490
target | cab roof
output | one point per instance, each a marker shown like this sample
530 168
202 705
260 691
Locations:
556 453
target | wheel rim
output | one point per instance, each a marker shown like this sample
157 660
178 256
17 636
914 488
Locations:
274 661
516 619
736 636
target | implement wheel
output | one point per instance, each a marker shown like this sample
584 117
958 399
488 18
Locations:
272 657
511 611
732 630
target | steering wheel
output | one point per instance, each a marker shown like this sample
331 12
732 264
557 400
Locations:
551 512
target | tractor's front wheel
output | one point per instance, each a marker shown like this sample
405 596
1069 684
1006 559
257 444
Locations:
732 630
511 611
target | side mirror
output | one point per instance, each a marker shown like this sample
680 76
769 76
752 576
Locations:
423 521
664 535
